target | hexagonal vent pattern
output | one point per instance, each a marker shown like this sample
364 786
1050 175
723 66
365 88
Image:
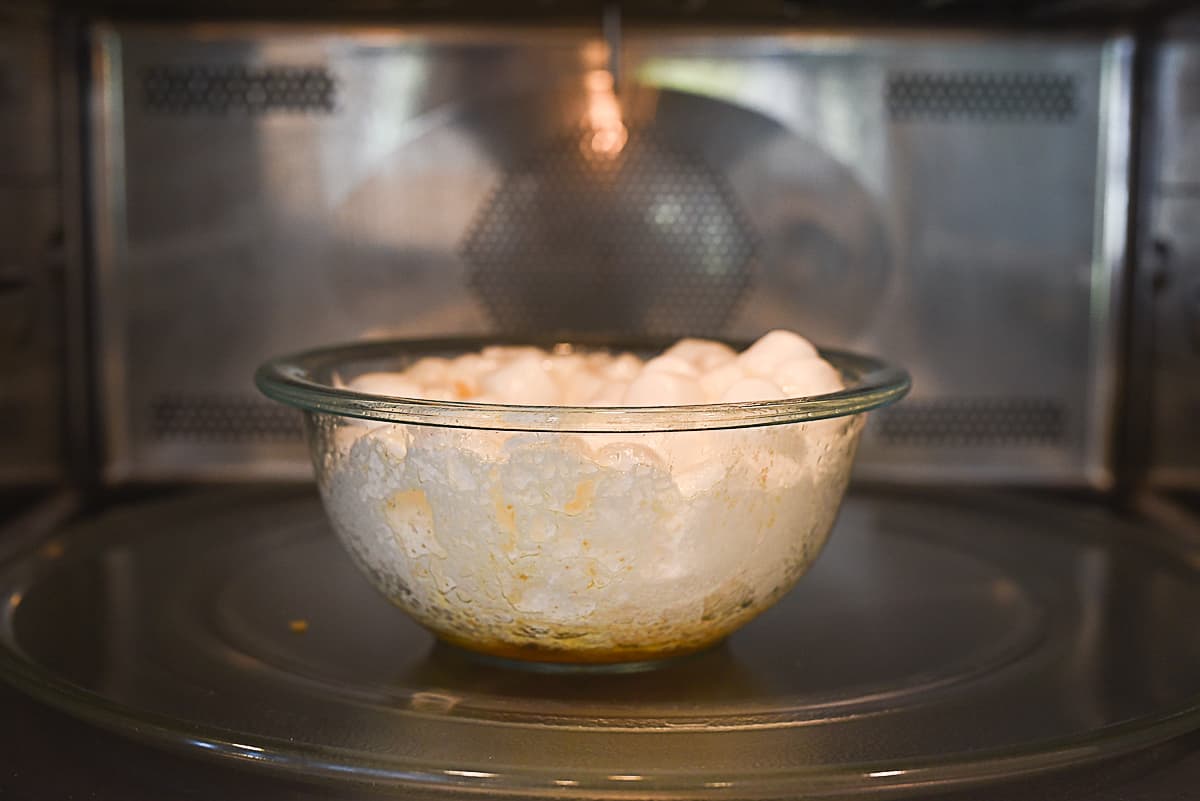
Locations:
648 240
223 418
974 422
221 89
990 96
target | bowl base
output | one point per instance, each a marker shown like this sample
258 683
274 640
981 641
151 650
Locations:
528 659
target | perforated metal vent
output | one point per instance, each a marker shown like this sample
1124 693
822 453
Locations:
993 422
237 89
646 239
222 418
982 96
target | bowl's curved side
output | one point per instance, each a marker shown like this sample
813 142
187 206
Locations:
592 548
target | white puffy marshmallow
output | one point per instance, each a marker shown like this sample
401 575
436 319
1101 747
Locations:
612 393
623 368
429 371
803 378
522 382
715 382
773 349
663 389
465 373
671 364
704 354
438 392
565 369
752 389
394 385
693 371
580 387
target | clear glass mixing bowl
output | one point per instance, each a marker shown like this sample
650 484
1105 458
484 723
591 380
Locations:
576 534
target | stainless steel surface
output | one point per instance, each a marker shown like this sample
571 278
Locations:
1179 77
953 202
1169 284
941 640
29 277
1175 409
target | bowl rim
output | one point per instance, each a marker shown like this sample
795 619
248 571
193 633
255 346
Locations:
871 384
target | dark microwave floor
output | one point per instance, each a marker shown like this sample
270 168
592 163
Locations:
1061 582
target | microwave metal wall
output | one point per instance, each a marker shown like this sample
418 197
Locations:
1168 287
30 275
952 202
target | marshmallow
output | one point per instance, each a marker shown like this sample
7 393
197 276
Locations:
581 387
752 389
807 377
430 370
597 361
683 450
773 349
522 382
438 392
393 385
565 369
670 364
715 382
627 455
653 388
611 393
703 354
699 479
464 374
692 371
623 368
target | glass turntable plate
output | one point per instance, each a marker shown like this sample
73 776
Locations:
941 640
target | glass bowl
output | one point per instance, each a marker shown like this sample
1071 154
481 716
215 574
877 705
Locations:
576 534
